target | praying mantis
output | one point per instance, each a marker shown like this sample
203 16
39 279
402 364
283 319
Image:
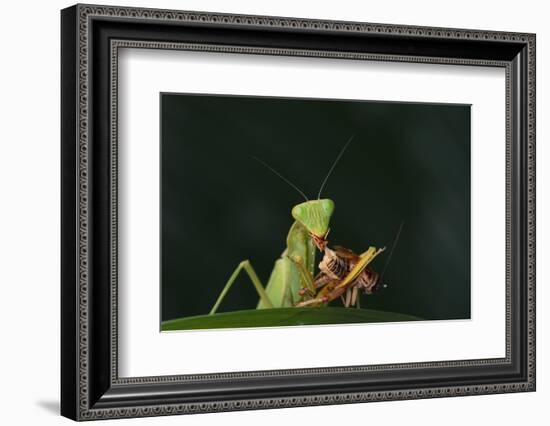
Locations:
292 281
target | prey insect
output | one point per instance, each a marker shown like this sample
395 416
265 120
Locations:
293 272
343 274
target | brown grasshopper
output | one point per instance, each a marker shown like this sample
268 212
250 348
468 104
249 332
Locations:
343 274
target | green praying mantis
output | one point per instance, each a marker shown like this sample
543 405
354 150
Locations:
292 278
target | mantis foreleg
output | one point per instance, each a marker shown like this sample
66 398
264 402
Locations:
247 266
305 275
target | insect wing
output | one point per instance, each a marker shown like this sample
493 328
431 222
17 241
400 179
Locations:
363 262
346 253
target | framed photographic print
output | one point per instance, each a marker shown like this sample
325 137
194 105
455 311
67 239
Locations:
264 212
238 241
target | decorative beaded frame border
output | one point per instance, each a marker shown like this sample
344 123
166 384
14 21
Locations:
85 13
116 45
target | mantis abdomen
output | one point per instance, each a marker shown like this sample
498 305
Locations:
280 287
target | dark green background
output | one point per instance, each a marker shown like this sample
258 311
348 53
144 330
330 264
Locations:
408 161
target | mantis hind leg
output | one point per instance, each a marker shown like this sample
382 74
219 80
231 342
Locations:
247 267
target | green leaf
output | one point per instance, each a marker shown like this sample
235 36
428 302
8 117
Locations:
284 317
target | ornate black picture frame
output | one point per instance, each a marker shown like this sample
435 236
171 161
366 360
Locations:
91 387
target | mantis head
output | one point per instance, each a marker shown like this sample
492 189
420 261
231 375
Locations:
315 215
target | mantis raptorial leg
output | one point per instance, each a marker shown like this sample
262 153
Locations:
247 267
305 275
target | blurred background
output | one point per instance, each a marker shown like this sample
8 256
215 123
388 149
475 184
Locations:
408 162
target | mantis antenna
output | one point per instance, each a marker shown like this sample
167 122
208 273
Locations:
395 240
263 163
333 166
